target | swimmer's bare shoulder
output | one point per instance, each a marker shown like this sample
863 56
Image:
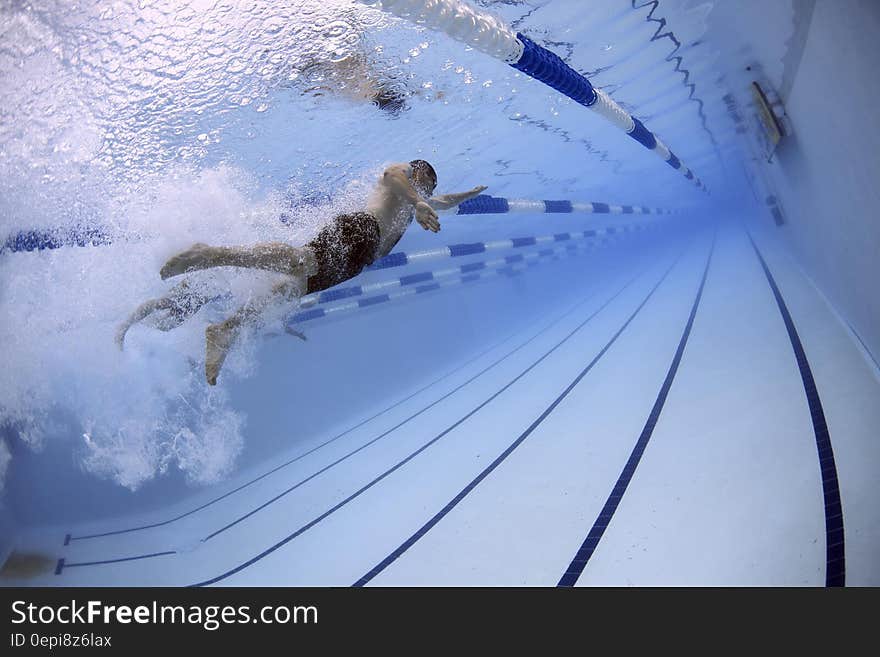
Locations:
392 192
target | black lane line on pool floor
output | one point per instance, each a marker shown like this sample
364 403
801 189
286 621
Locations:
70 537
416 414
62 564
588 547
424 529
835 559
406 460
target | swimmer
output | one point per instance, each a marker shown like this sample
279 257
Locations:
355 78
339 252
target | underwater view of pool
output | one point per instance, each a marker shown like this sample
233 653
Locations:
520 292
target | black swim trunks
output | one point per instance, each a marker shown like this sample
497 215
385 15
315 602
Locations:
343 248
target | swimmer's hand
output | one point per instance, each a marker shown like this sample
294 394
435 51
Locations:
426 217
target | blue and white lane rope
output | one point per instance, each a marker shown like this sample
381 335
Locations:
366 302
411 280
408 286
492 36
486 204
403 258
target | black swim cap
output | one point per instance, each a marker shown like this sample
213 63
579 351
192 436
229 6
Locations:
424 167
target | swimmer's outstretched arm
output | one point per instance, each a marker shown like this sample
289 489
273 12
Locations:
446 201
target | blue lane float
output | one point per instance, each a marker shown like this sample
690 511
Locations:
410 280
492 36
470 273
366 302
55 238
359 296
404 258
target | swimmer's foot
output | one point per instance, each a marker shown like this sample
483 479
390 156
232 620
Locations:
218 342
198 256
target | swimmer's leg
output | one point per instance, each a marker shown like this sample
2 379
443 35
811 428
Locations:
271 256
181 303
144 310
220 337
185 302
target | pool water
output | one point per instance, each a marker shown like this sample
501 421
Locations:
685 397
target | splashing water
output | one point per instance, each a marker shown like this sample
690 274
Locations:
168 124
107 117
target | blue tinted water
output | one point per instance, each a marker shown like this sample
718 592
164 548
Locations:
510 406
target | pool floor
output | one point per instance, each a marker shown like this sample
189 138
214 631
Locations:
656 432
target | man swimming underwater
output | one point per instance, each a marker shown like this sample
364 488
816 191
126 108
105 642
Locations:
340 251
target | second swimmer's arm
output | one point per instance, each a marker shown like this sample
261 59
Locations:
446 201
